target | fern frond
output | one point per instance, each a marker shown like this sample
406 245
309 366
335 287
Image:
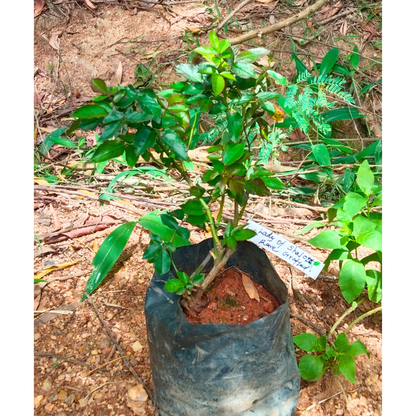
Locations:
290 96
303 76
307 101
302 122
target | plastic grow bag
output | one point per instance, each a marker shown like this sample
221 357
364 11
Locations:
219 369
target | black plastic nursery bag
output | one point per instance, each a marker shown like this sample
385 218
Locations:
219 369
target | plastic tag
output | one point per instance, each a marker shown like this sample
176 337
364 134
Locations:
287 251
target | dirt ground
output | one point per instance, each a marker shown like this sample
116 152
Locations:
78 369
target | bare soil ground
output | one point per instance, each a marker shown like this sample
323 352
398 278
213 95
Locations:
77 367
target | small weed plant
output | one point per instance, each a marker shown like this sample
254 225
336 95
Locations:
357 220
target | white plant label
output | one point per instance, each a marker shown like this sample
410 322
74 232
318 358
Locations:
287 251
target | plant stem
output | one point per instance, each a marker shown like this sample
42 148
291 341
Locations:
219 216
360 318
347 312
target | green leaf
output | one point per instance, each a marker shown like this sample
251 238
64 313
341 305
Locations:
108 254
233 154
280 79
327 239
300 67
321 154
374 285
378 200
190 72
108 150
306 342
245 234
244 70
352 279
193 207
354 203
64 142
311 368
367 233
252 55
153 223
341 114
51 138
341 342
111 130
223 45
90 111
273 182
162 262
356 348
98 85
174 286
231 242
347 367
172 140
365 178
206 51
144 138
256 186
329 61
354 58
151 251
149 103
137 117
235 125
213 38
218 84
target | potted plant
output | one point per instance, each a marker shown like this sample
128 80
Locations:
210 369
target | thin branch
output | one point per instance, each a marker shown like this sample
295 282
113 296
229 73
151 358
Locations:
239 7
360 318
280 25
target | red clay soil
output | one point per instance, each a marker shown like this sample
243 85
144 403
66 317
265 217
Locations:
227 302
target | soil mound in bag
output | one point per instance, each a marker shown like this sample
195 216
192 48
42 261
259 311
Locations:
219 369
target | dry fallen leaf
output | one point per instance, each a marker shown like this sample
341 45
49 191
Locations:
250 288
39 5
117 77
54 39
266 1
89 4
95 245
265 62
50 269
344 27
329 11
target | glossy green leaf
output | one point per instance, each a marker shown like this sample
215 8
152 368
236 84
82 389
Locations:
327 239
151 251
90 111
98 85
273 182
234 153
352 279
172 140
256 186
153 223
110 130
108 254
329 61
190 72
193 207
280 79
144 138
108 150
64 142
218 84
149 104
245 234
174 286
244 70
235 125
321 154
252 55
223 45
131 156
213 38
162 262
354 57
341 342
